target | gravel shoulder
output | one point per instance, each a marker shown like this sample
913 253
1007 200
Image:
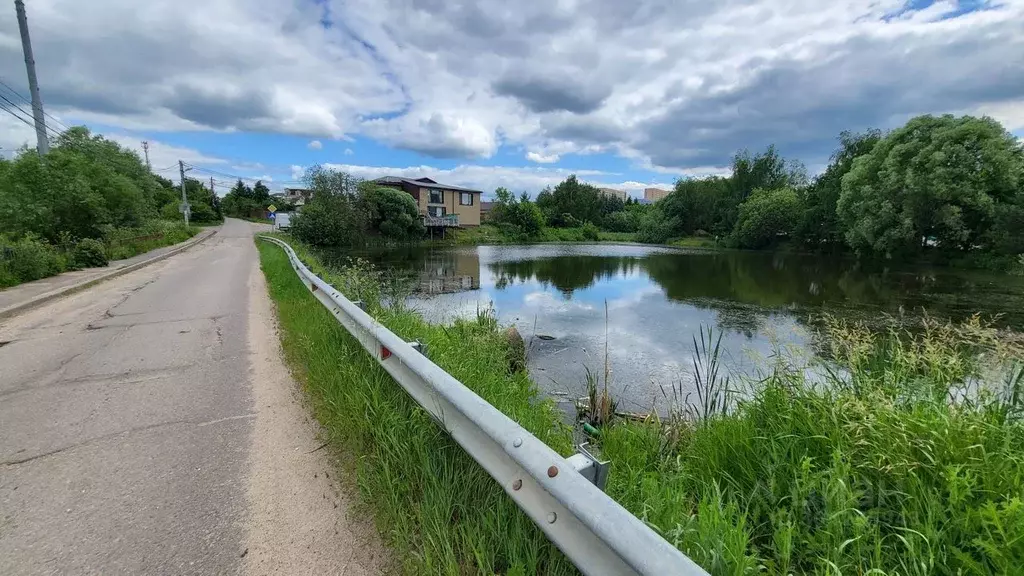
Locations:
302 520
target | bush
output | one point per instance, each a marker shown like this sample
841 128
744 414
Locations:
765 217
127 242
330 220
623 221
90 253
654 228
28 259
392 212
519 213
590 231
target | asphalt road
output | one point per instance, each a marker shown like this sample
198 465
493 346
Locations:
126 421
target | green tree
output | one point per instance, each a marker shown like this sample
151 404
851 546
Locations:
334 215
766 217
392 213
85 184
820 225
241 201
935 181
571 203
261 194
521 215
699 204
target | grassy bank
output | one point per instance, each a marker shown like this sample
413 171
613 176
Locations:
439 510
880 469
876 470
31 258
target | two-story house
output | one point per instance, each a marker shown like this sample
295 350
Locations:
440 205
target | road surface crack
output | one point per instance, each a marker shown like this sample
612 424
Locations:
197 424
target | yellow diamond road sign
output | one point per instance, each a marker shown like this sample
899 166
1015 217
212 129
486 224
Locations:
272 208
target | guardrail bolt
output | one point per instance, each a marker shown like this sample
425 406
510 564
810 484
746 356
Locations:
517 484
517 442
552 517
552 472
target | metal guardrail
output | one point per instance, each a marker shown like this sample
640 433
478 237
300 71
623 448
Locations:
596 533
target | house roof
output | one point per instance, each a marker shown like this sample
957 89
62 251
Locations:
423 182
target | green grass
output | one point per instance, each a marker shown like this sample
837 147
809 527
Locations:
31 258
878 470
439 510
127 242
694 242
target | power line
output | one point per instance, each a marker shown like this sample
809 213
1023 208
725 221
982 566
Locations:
15 114
23 111
226 175
20 96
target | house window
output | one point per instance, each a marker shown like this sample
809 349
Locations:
436 197
466 199
436 211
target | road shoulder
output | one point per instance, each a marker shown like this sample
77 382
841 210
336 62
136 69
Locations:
301 520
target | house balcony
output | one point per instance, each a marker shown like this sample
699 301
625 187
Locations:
447 221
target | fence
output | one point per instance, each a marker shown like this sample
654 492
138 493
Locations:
560 495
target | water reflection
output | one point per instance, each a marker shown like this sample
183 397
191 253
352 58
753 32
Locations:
651 302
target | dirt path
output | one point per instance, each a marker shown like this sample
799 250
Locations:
301 521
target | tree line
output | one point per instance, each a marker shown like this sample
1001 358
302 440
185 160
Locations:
88 200
942 185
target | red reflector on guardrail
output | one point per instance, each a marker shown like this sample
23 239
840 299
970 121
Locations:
384 353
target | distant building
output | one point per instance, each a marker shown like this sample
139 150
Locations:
613 193
440 205
655 194
485 210
296 196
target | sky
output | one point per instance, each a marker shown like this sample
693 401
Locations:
516 94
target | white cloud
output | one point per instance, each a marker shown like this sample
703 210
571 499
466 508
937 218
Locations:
164 157
315 145
542 158
348 152
14 134
676 86
1010 114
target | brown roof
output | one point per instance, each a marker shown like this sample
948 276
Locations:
423 181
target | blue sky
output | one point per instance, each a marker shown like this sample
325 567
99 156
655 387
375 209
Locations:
477 94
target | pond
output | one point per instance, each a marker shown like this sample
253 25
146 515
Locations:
649 303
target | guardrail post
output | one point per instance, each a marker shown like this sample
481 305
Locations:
589 466
361 304
419 347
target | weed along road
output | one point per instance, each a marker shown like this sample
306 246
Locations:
148 426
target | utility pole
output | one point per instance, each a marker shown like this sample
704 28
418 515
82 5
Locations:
42 142
145 148
211 187
184 198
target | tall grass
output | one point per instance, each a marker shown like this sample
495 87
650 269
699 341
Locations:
436 507
903 462
907 459
31 258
